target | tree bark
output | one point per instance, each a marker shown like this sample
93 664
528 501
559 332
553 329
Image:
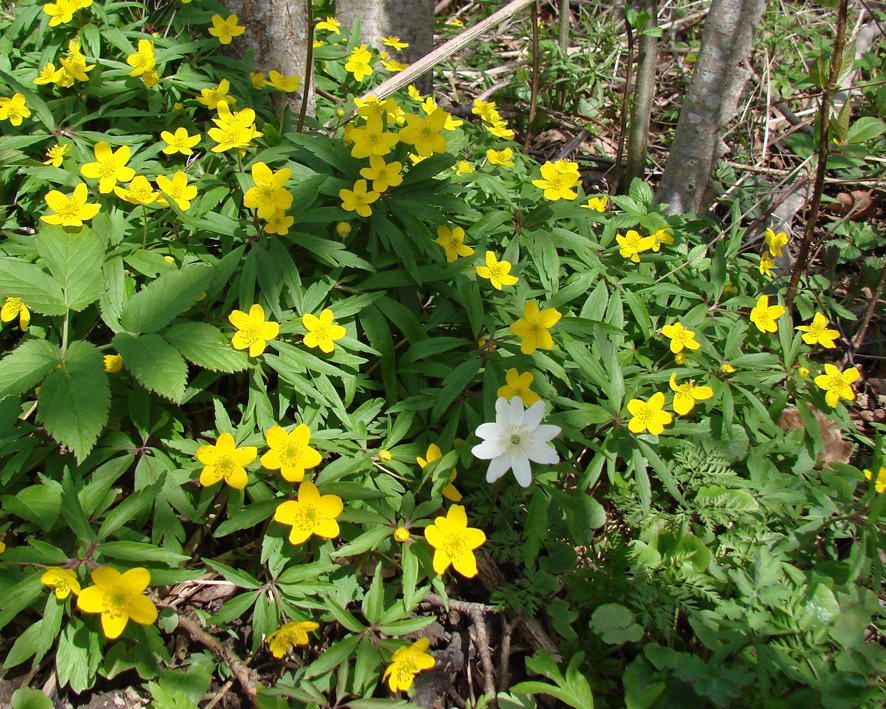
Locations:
644 93
710 104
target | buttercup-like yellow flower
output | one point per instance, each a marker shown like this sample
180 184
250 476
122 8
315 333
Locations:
371 139
113 363
281 82
14 308
803 371
406 662
179 142
394 41
648 415
279 223
424 133
775 242
322 332
64 581
598 203
518 384
178 189
766 265
533 328
288 635
500 157
358 63
62 11
837 384
143 60
454 542
253 330
393 65
358 199
632 244
290 452
212 96
429 105
680 358
385 456
70 210
55 154
817 332
452 241
680 337
685 395
118 597
880 482
109 166
138 192
764 315
727 368
224 461
48 75
310 514
233 130
498 272
557 185
382 174
331 24
661 236
225 29
258 79
433 453
401 534
269 194
486 111
14 109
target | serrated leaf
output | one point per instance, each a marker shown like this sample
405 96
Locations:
154 362
33 285
75 261
74 400
26 365
155 305
206 346
864 129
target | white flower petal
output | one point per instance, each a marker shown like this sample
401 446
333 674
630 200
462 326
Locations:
546 432
522 471
515 411
534 415
490 430
501 410
498 467
492 448
543 453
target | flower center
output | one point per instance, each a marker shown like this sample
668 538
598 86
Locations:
70 208
497 271
291 453
307 517
454 547
835 383
515 439
107 168
251 332
116 601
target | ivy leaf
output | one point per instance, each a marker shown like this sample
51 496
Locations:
155 305
154 362
206 346
74 400
75 260
25 366
33 285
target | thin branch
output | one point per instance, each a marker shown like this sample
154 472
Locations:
533 98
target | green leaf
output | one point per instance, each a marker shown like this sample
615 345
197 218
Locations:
75 260
366 541
24 367
337 654
235 576
154 362
615 625
131 507
155 305
864 129
27 698
74 401
20 596
206 346
37 290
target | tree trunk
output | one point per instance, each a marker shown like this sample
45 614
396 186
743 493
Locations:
278 31
644 93
710 104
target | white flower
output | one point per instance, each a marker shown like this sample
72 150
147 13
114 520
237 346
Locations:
515 438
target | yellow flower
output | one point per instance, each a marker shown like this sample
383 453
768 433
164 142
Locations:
118 597
258 79
680 358
648 416
661 236
286 84
70 210
178 189
429 105
433 453
424 133
279 223
486 111
253 330
371 139
321 332
632 244
764 315
836 383
14 308
565 167
113 363
224 461
455 22
463 168
406 662
803 371
766 265
178 106
452 241
394 41
55 155
358 63
817 332
179 142
139 192
3 544
268 195
557 185
289 635
500 157
500 130
61 12
454 542
225 29
727 368
234 130
401 534
150 79
358 199
109 166
331 24
290 452
880 482
598 203
775 242
498 272
74 67
680 337
310 514
48 75
14 109
687 394
62 580
385 456
382 174
413 93
393 65
518 385
533 328
143 60
212 96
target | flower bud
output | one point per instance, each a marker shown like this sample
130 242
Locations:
385 456
401 534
